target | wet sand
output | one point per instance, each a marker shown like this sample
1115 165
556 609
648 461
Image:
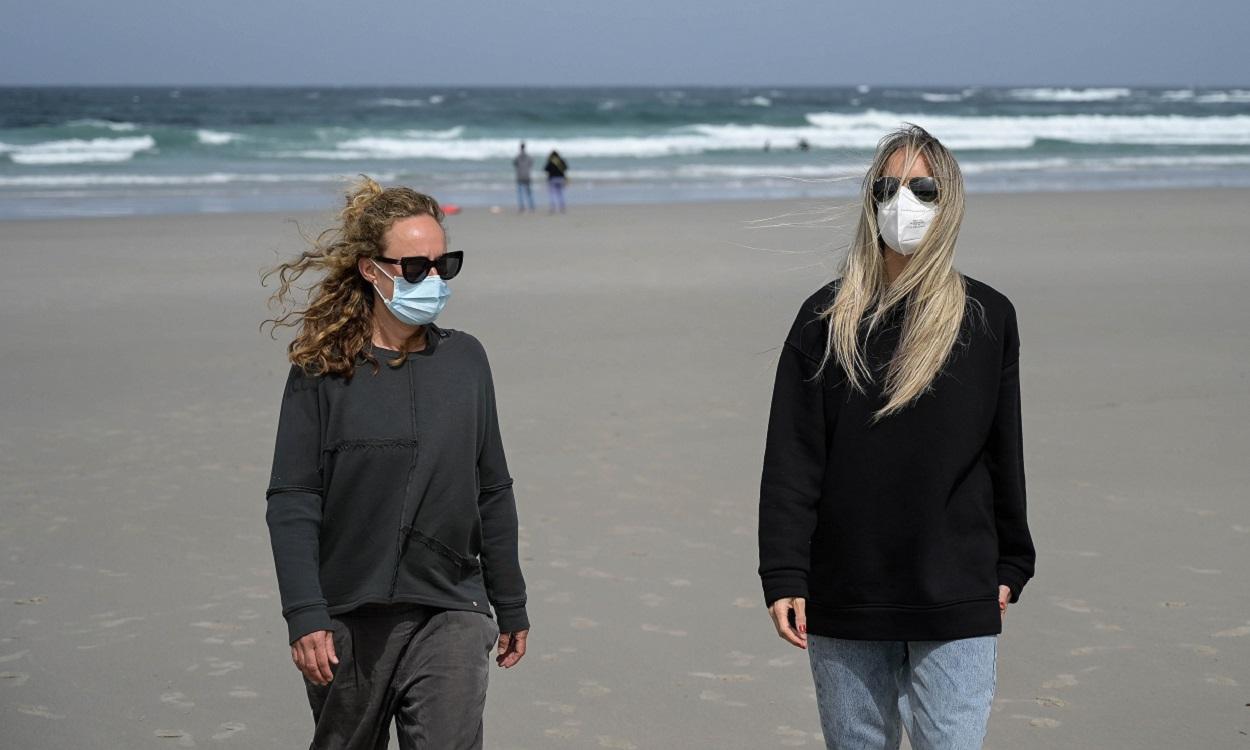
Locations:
633 350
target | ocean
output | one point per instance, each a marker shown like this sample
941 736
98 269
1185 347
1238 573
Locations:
71 151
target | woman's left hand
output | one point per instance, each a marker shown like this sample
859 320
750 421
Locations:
511 648
1004 595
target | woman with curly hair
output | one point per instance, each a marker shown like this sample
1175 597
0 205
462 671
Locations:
390 506
892 530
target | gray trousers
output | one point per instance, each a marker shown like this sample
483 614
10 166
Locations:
425 668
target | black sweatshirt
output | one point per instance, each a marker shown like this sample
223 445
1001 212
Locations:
902 530
392 488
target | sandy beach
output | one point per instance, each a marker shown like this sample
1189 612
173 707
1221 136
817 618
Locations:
633 350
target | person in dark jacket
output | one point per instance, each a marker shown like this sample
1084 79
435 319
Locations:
390 506
892 526
557 176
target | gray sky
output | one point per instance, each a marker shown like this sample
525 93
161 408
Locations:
644 42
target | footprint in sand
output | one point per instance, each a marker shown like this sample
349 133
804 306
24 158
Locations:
1060 681
649 628
219 667
1041 722
242 691
1090 650
14 656
739 659
616 743
13 678
1219 679
1200 649
651 600
790 736
40 711
592 689
557 708
176 699
722 677
562 732
679 582
229 729
184 739
583 623
1050 701
1203 571
1072 605
1233 632
746 602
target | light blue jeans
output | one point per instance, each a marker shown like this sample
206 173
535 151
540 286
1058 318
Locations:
869 691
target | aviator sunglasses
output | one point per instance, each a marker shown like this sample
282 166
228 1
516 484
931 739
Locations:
417 267
924 188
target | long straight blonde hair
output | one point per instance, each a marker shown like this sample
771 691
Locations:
934 293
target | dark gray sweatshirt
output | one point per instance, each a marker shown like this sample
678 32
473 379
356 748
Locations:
392 488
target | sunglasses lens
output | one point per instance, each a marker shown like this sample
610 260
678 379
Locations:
924 188
884 188
416 269
449 265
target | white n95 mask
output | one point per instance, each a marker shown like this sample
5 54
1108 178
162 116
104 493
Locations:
903 220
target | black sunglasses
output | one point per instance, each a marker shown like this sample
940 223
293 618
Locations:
924 188
417 267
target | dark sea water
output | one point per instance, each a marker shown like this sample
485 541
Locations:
118 151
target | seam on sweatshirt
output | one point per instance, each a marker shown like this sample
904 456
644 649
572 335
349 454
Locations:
369 443
292 488
495 487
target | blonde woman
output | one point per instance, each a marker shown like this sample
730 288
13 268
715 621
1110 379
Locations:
892 527
390 506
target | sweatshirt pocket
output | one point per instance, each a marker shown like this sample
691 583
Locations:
436 569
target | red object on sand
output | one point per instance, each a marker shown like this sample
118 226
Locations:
451 209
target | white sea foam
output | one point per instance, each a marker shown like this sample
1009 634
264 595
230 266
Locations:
756 101
438 135
393 102
78 150
216 137
389 101
116 127
1236 96
928 97
1071 95
861 130
87 180
825 130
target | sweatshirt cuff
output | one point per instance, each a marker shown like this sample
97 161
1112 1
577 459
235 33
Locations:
512 618
307 620
784 584
1013 579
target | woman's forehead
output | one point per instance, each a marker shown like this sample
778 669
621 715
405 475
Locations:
416 235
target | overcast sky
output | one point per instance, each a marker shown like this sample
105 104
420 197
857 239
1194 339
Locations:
635 42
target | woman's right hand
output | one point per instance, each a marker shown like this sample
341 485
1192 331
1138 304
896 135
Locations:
780 612
313 654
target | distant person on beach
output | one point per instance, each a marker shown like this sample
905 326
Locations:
523 165
556 169
804 145
892 526
390 506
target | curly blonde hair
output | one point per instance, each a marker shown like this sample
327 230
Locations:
335 327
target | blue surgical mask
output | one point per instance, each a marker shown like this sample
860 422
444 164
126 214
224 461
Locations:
415 304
